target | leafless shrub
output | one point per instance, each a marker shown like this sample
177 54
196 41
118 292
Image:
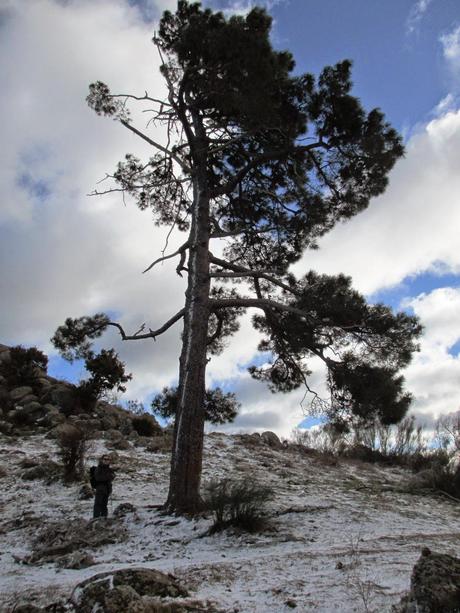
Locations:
72 448
447 432
360 582
237 503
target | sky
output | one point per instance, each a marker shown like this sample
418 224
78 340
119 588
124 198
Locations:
64 253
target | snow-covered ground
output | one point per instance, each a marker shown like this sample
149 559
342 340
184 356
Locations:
343 538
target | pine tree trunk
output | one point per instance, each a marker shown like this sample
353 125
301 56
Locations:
186 459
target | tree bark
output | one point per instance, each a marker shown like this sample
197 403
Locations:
186 458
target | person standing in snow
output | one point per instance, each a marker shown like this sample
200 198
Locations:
101 477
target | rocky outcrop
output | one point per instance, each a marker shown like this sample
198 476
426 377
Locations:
271 439
435 585
45 403
119 590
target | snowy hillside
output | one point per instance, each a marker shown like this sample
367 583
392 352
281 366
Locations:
341 537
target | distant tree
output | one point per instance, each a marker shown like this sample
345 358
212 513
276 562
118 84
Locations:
106 370
270 161
219 407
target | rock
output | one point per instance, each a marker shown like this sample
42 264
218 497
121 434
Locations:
76 560
435 585
6 427
121 598
121 444
90 426
31 407
272 440
124 509
86 492
18 393
4 353
159 444
113 435
27 399
102 592
46 470
108 422
63 396
44 383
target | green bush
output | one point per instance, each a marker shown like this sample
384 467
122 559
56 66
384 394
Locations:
237 503
145 425
24 366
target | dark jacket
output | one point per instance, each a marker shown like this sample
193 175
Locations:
102 477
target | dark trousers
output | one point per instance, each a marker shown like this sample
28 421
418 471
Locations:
101 499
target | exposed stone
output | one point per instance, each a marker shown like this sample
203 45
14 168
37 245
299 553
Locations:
18 393
44 383
6 427
124 509
272 440
31 407
4 353
120 444
86 492
124 587
120 598
108 422
61 395
27 399
76 560
435 585
47 470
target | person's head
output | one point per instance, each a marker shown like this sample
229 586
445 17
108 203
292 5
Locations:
104 460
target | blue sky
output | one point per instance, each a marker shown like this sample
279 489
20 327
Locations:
64 254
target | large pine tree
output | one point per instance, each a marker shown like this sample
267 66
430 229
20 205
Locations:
271 161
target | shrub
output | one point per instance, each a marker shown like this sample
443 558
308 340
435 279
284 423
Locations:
145 425
239 504
73 445
23 366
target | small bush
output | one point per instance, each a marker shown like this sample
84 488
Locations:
23 366
238 504
145 425
73 445
439 478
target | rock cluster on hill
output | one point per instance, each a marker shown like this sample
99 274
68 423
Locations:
51 402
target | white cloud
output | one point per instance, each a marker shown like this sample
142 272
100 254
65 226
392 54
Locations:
434 375
66 254
242 7
451 46
416 14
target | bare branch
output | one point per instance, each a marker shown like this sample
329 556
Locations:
166 151
179 251
151 333
145 97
